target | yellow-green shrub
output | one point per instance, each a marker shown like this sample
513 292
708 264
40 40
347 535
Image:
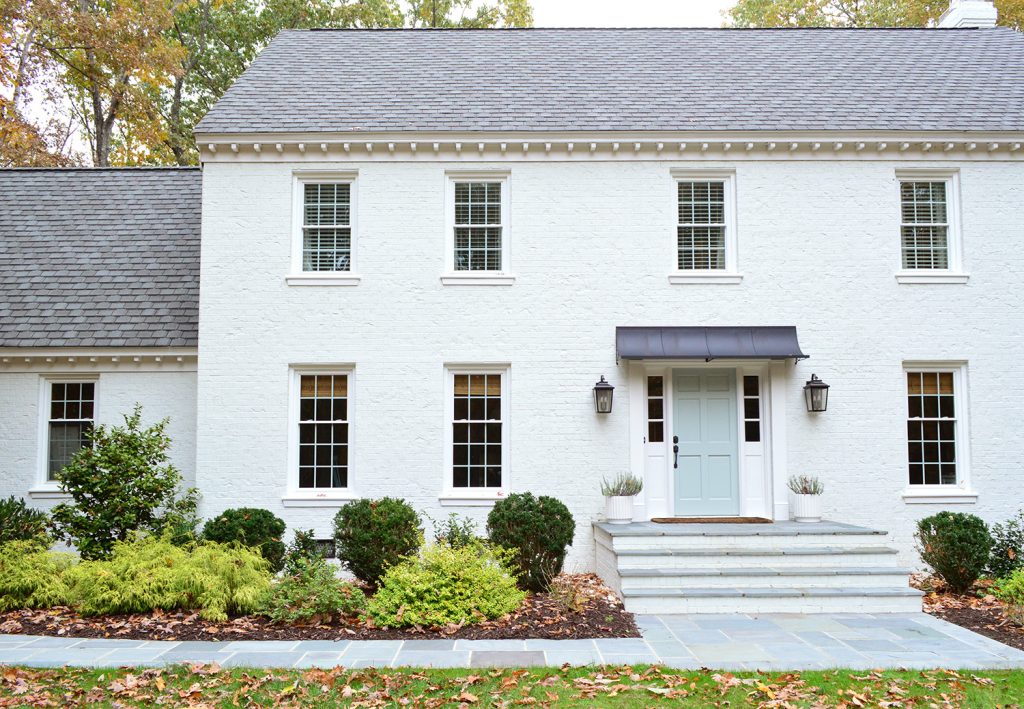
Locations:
31 576
147 573
1010 591
443 585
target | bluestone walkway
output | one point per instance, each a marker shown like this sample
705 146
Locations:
735 641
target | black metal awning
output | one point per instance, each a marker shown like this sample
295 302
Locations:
707 343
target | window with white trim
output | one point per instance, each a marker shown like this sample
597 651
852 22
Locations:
704 249
478 226
326 226
934 426
478 409
323 431
71 417
930 242
751 408
655 409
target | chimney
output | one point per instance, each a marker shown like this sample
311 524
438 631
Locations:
969 13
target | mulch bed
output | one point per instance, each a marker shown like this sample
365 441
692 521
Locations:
977 611
601 615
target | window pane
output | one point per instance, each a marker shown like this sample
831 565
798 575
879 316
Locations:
656 432
655 386
752 431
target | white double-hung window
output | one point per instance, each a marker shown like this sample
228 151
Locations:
930 242
323 246
476 455
477 229
319 436
70 408
705 235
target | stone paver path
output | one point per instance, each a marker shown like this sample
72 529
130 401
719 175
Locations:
736 641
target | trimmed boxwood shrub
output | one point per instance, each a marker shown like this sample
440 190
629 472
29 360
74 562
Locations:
371 535
19 522
252 527
445 585
539 529
956 546
1007 547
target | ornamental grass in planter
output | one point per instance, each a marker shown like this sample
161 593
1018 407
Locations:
618 497
805 498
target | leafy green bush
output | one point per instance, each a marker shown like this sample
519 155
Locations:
444 585
1010 591
119 484
371 535
956 546
252 527
539 529
302 548
147 573
455 531
31 576
1007 547
312 593
18 522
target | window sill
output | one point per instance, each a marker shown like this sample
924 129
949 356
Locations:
47 492
935 495
914 277
678 279
477 278
304 499
460 499
323 279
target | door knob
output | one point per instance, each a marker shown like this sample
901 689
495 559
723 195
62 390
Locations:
675 451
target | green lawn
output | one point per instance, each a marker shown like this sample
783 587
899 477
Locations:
607 687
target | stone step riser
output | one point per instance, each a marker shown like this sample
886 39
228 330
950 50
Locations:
833 562
895 580
824 604
752 542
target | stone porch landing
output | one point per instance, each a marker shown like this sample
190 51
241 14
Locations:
782 567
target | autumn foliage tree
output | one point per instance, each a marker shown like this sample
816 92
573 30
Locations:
856 13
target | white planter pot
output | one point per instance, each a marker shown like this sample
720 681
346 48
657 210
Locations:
805 508
618 510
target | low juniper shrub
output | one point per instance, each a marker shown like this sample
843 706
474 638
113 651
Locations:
31 576
1007 547
19 522
371 535
253 527
539 529
956 546
446 585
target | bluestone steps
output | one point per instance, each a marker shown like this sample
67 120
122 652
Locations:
783 567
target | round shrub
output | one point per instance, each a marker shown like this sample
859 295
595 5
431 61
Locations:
252 527
539 529
19 522
956 546
1007 547
371 535
445 585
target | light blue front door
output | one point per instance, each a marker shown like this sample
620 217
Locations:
705 430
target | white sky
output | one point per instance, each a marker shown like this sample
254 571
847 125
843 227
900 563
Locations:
629 13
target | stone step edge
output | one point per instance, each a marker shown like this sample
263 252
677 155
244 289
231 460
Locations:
850 592
820 551
662 572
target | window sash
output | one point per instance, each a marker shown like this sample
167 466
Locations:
478 228
701 238
656 408
933 450
323 441
924 240
326 226
67 430
477 430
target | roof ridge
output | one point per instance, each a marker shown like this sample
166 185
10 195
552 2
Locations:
85 168
631 29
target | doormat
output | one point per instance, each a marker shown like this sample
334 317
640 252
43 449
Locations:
711 520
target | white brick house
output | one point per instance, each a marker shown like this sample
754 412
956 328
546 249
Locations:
423 248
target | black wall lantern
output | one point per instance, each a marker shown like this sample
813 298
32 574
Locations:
816 394
603 396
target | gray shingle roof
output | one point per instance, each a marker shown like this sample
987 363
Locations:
99 258
629 79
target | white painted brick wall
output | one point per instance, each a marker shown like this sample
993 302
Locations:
591 246
162 394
